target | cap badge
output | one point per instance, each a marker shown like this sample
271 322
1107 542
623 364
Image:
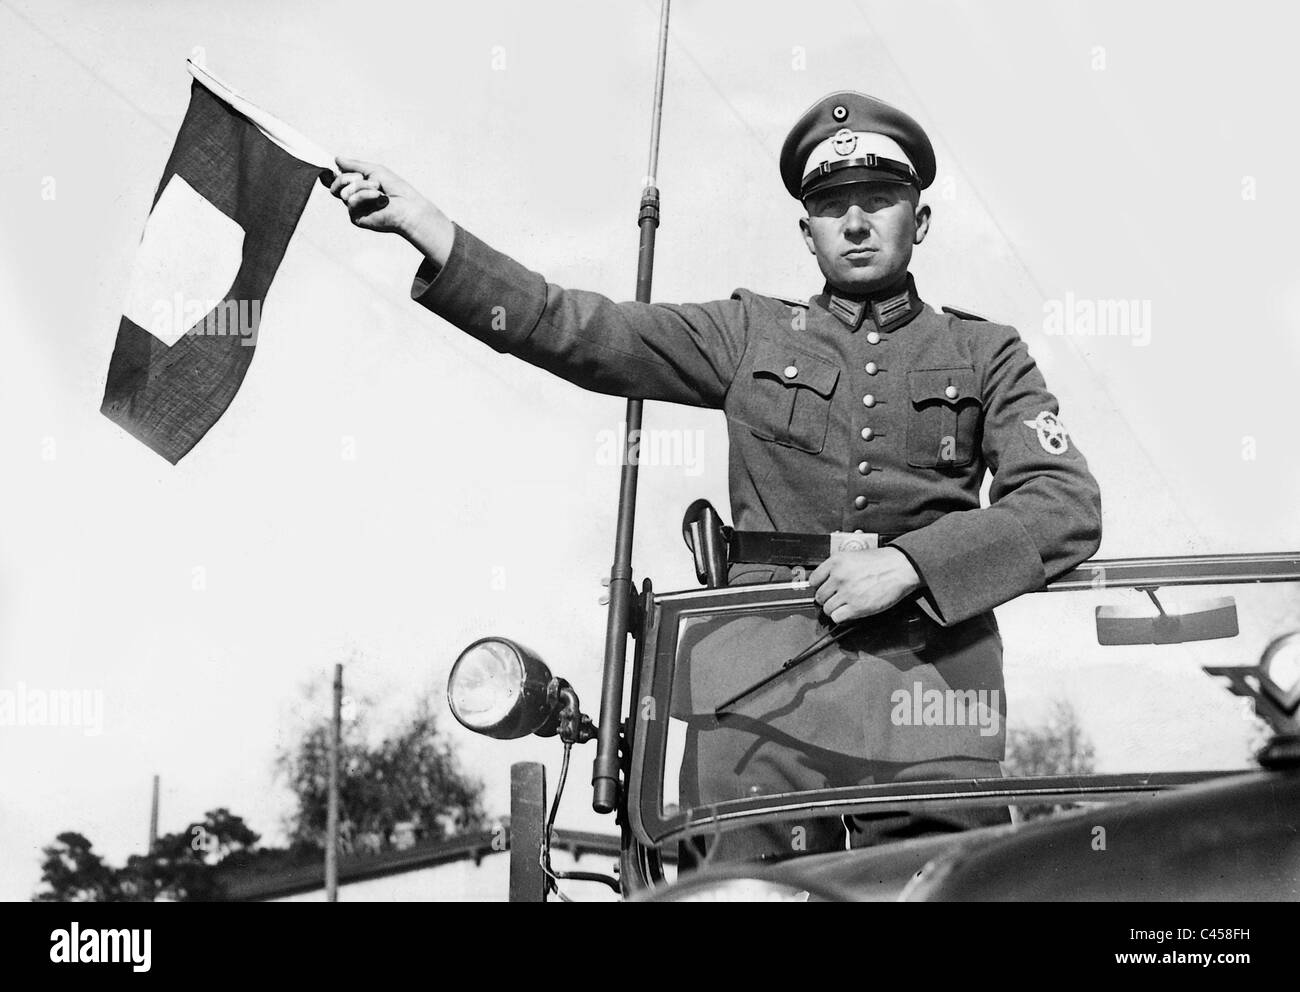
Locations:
844 142
1051 433
840 112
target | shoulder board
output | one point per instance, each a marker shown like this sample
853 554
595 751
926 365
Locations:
964 314
787 301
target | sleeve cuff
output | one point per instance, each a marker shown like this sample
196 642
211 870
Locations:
972 561
485 293
424 277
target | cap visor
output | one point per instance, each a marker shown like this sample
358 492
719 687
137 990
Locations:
858 175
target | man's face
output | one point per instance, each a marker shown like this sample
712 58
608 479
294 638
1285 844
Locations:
863 233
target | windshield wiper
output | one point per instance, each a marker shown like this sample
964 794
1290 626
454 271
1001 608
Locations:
827 639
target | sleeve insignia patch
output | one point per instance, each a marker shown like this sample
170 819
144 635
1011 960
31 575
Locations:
1051 433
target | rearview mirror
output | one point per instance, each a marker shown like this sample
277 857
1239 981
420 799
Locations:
1199 620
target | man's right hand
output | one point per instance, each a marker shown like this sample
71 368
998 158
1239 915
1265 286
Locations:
378 199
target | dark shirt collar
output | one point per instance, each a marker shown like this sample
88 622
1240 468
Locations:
888 310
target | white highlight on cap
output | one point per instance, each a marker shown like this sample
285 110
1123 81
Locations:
866 143
188 258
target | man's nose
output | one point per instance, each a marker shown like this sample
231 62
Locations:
856 221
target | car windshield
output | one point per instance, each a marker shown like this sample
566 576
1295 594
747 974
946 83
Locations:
1067 705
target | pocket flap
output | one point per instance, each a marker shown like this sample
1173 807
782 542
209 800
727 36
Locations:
953 386
793 367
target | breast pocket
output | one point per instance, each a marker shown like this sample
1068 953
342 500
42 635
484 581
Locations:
944 423
790 396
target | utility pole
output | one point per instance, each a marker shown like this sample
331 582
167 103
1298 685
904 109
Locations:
153 819
332 815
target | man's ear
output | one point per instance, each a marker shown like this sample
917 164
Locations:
922 222
806 230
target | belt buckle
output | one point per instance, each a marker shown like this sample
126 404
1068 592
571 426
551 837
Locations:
844 541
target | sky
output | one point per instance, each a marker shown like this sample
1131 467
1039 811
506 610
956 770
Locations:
385 490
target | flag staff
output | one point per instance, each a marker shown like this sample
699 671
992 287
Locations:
604 778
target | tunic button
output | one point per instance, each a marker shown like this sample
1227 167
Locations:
873 337
872 368
867 433
950 392
791 371
864 467
860 502
868 400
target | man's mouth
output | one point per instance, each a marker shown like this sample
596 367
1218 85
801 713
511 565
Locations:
859 252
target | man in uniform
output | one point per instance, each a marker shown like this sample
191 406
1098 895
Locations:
861 424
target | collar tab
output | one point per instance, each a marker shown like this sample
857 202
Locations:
847 311
888 313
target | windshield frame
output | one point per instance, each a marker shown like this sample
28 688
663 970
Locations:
654 671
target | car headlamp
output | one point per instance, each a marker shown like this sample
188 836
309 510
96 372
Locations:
744 883
501 689
738 890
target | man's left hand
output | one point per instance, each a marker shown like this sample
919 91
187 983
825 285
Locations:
852 584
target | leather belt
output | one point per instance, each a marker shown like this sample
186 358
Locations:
776 548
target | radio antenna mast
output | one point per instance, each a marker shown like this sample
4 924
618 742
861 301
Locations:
604 777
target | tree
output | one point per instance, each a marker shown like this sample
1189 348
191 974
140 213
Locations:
411 776
74 873
1057 747
180 868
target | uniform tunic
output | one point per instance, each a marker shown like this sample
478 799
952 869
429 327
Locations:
841 417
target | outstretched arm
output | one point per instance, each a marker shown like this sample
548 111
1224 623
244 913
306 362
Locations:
685 353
